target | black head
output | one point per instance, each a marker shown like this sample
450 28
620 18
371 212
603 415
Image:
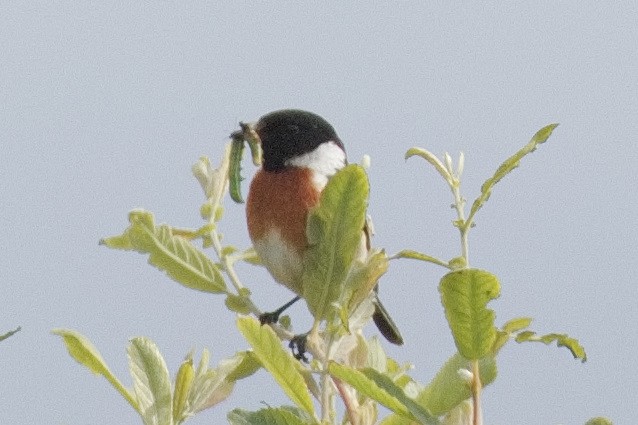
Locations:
288 133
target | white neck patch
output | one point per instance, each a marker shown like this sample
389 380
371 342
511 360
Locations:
325 160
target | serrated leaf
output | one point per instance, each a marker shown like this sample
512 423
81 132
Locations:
507 166
277 361
269 416
85 353
151 382
448 389
8 334
176 256
465 294
562 340
183 384
334 234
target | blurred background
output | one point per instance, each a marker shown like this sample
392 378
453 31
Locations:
106 105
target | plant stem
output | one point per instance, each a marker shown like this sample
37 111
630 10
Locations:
477 414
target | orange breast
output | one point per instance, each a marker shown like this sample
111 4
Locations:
281 200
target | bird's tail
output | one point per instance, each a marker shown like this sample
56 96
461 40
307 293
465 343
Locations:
385 324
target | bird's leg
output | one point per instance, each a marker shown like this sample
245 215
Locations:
273 316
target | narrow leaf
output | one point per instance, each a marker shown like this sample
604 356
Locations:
269 416
150 381
334 233
516 325
172 254
277 361
417 410
448 389
433 160
507 166
562 340
183 383
87 355
368 387
465 294
414 255
8 334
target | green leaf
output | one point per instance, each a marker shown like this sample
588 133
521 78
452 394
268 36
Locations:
506 167
238 304
598 421
434 161
87 355
516 325
368 387
414 255
8 334
364 276
172 254
562 340
277 361
212 386
151 382
418 411
183 384
448 389
334 234
269 416
465 294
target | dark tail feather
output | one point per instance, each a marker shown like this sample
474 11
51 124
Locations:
385 324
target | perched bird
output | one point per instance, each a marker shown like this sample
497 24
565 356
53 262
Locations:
301 151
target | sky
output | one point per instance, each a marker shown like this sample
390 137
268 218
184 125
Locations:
106 105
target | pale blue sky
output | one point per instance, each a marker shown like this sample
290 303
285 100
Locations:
106 105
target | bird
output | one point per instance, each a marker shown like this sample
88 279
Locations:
300 153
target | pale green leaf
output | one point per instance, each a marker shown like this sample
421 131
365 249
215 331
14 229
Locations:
87 355
238 304
506 167
517 324
395 419
448 389
151 382
598 421
388 385
8 334
366 386
364 276
183 383
277 361
414 255
334 233
562 340
465 294
433 160
212 386
175 255
269 416
461 414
